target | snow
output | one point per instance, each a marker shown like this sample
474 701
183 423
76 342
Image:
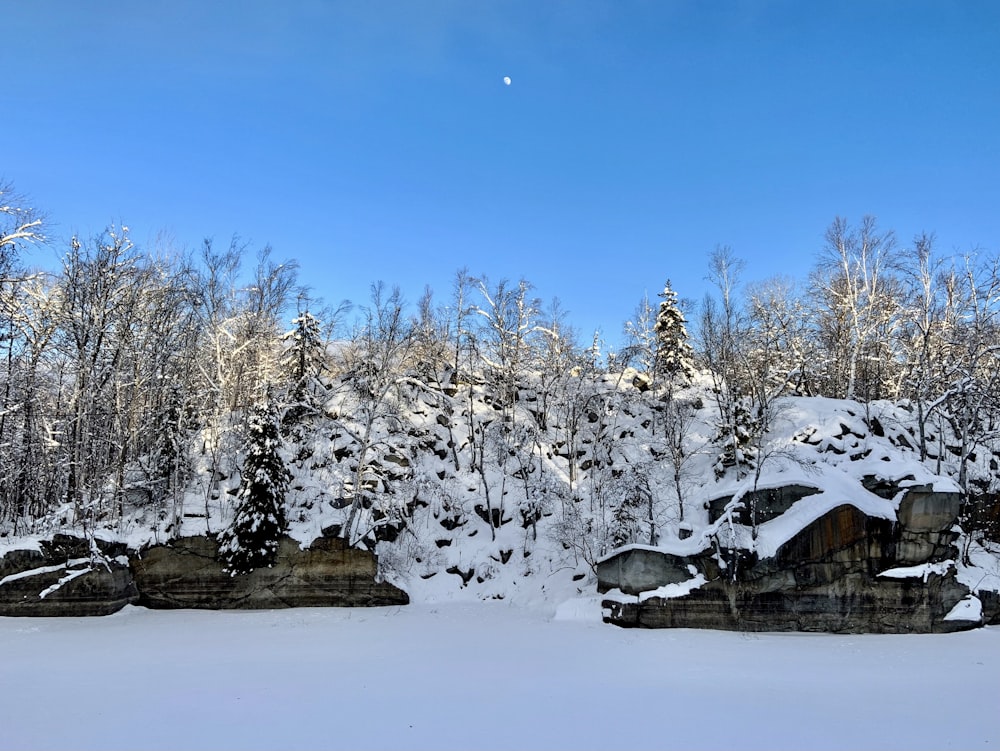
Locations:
481 676
839 488
923 571
515 654
70 576
967 609
832 451
45 570
667 591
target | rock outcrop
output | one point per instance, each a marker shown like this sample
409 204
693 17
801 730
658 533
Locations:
70 576
185 573
845 571
66 576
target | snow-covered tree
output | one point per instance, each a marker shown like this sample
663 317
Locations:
674 356
510 324
780 354
100 294
305 357
375 363
251 540
723 333
169 460
859 301
19 224
640 333
737 438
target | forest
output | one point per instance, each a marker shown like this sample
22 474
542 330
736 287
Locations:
141 388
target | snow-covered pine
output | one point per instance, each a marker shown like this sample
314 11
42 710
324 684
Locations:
251 540
304 358
674 354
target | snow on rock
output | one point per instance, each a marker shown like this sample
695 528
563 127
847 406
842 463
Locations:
839 488
70 576
43 570
666 591
923 571
969 609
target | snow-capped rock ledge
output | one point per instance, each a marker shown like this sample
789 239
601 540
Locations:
829 561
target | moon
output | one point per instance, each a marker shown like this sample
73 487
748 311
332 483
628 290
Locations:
506 80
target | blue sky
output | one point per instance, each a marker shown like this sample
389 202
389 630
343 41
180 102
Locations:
377 140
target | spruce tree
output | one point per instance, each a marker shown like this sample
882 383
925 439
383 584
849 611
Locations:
251 541
674 356
304 359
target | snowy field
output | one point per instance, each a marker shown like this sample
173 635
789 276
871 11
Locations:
480 676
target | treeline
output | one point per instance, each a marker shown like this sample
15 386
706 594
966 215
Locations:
122 364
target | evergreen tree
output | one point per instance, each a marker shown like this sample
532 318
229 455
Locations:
251 541
304 359
674 356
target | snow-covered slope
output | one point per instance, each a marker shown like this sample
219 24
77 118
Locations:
466 498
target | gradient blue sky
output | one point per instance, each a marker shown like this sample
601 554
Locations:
377 140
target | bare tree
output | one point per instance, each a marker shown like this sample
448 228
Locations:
640 333
677 418
924 328
860 295
375 363
780 350
722 333
510 321
100 296
19 224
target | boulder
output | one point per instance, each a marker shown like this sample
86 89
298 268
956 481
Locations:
638 570
923 510
991 607
186 573
68 576
926 522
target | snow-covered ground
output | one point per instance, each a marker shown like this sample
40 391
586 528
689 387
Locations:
481 675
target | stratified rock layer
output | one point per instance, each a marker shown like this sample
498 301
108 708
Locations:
186 574
845 571
69 576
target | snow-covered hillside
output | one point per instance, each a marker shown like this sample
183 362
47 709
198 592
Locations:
468 499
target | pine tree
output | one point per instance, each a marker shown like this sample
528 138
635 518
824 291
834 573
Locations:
674 356
304 359
251 541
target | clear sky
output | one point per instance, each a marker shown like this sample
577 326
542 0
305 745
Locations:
378 140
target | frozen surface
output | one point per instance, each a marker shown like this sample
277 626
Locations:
481 676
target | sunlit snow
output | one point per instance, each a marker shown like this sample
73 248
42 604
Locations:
481 676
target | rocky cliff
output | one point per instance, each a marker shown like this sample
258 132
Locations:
70 576
843 567
187 574
66 576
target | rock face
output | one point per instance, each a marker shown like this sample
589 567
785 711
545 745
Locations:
846 571
68 577
186 574
764 504
640 570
